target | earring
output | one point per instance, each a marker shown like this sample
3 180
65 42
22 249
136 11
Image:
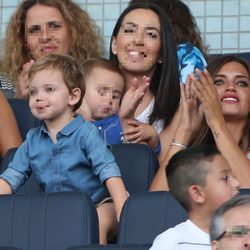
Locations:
159 61
114 52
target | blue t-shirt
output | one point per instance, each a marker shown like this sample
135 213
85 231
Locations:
110 129
189 58
79 161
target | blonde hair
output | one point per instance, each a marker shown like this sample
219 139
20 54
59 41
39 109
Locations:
85 39
71 70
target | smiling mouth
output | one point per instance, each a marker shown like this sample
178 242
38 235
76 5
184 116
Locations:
137 54
230 100
48 49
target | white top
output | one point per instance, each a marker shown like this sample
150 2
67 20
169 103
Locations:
144 117
184 236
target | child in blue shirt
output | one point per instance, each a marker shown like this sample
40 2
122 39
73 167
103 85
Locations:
66 153
104 91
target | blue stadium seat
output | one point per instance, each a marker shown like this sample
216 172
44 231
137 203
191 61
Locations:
138 164
112 247
25 119
145 215
52 221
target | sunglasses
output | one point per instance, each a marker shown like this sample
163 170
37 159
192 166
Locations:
236 232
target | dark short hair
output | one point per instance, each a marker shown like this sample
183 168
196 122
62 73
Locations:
188 167
103 63
70 69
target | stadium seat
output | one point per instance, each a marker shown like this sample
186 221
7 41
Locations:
112 247
145 215
25 119
53 221
138 164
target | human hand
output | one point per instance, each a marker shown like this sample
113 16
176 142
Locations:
132 98
139 132
206 92
22 90
191 111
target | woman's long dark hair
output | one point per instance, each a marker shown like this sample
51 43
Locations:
205 136
164 83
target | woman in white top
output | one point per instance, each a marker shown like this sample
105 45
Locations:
143 44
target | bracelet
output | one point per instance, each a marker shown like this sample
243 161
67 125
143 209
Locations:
178 144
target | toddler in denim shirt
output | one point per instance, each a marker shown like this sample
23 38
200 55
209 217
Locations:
65 153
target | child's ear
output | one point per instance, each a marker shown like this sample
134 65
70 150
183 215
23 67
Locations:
196 194
75 96
214 245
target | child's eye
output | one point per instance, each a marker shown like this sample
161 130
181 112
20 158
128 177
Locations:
116 96
50 89
101 92
226 178
32 92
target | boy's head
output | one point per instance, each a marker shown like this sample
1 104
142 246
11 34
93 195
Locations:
200 176
56 70
230 225
104 87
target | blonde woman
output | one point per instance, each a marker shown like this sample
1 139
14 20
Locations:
41 27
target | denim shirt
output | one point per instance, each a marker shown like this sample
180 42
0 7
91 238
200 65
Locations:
110 129
80 160
189 58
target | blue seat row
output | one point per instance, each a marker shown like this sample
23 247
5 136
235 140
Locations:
58 221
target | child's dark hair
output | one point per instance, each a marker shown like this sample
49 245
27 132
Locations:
70 69
103 63
188 167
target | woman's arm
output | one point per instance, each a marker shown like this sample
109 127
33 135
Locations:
190 120
9 133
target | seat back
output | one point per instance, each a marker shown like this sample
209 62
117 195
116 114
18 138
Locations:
138 164
10 248
244 191
145 215
25 119
52 221
112 247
